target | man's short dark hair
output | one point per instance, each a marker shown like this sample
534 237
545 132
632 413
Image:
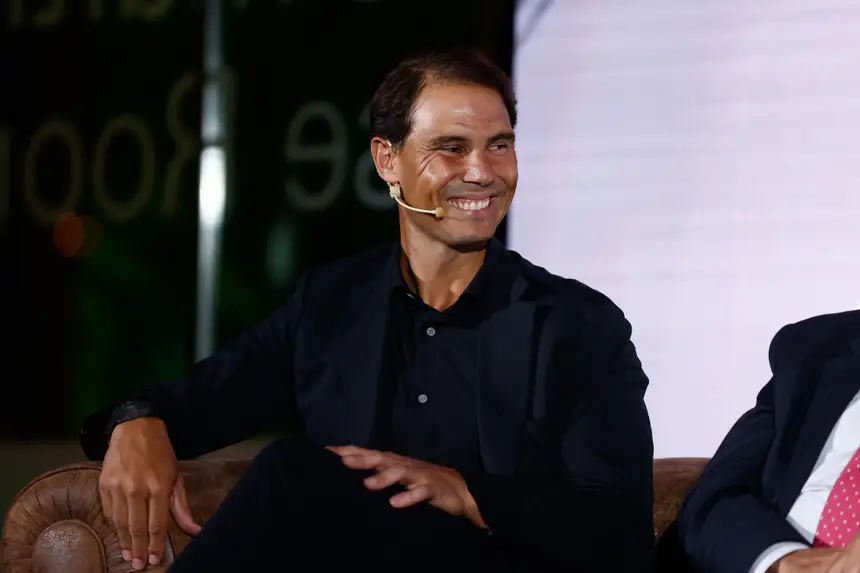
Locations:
392 105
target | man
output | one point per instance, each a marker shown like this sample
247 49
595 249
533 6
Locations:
458 406
780 495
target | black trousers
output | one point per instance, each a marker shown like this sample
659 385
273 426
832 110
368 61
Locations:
298 508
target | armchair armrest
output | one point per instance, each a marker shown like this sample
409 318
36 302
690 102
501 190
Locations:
56 524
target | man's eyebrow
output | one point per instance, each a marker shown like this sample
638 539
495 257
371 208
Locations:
503 136
461 140
448 140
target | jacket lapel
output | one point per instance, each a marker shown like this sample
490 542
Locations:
840 382
367 340
504 381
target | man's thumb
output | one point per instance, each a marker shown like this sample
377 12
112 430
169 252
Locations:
181 512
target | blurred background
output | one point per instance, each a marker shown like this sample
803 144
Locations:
125 256
169 167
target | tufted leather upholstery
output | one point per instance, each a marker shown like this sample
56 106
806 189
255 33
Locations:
55 525
672 478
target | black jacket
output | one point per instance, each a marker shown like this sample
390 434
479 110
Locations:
564 433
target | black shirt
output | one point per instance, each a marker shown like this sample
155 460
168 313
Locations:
433 373
428 396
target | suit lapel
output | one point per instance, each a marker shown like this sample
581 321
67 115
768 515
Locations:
367 341
504 381
840 382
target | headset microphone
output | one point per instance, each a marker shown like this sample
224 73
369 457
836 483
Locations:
397 195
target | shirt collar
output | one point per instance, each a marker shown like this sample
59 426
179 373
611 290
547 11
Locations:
493 275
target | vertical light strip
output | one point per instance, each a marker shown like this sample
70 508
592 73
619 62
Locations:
212 195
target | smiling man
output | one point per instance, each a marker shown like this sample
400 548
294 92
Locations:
457 406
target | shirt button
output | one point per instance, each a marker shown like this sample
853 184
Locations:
431 331
422 398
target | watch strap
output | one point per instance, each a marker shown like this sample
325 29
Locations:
128 411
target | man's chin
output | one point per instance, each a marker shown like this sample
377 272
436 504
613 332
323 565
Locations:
466 243
462 237
470 246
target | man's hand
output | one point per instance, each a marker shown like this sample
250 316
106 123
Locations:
139 485
439 486
814 560
849 558
822 560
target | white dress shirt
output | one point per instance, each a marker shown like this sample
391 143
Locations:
806 512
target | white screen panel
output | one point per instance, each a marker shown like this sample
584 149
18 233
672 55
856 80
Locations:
699 163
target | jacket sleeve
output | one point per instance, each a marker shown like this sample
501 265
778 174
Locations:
725 525
241 390
596 513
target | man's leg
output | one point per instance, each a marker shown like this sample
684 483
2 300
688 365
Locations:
298 508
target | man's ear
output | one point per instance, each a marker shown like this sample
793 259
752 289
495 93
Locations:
385 158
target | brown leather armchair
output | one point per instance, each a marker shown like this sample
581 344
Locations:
55 525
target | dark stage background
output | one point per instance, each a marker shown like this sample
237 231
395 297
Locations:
99 150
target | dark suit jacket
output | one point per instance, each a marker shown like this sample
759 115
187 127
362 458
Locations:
565 438
738 508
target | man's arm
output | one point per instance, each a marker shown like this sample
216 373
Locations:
724 523
598 513
239 391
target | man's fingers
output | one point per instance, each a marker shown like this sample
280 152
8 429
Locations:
836 564
119 518
366 461
107 504
854 545
158 514
850 562
387 477
180 510
415 495
348 450
839 563
138 529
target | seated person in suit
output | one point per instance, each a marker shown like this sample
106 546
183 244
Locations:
457 406
782 493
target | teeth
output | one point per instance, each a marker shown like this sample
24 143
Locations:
469 205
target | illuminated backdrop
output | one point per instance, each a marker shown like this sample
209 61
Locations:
698 162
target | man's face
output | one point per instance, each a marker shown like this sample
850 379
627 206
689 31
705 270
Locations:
460 156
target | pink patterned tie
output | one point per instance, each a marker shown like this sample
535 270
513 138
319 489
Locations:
840 520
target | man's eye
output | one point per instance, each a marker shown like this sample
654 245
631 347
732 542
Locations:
452 149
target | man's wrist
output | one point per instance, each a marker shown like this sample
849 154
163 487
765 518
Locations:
128 411
770 559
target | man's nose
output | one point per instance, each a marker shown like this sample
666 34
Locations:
479 169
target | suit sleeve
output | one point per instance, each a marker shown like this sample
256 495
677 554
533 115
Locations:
725 525
595 513
240 391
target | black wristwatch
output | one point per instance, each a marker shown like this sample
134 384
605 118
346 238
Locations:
128 411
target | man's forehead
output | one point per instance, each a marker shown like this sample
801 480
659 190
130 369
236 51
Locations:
464 108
